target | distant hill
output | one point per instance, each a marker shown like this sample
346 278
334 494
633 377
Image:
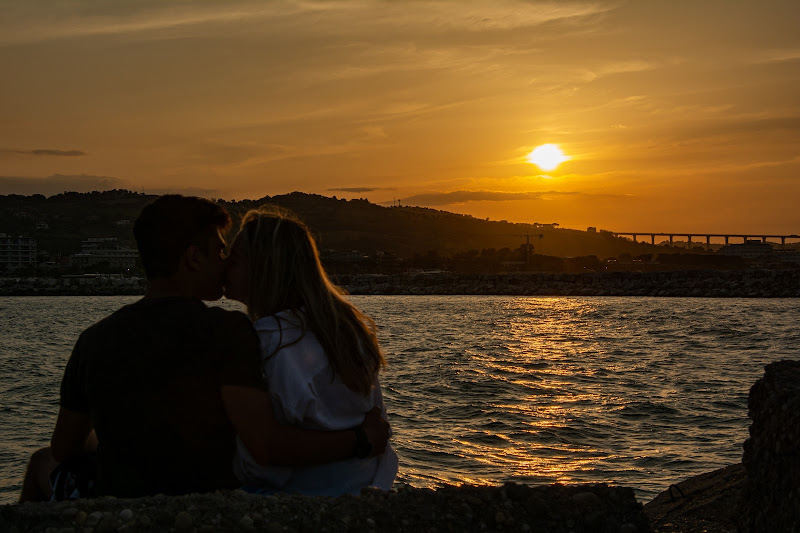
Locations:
59 223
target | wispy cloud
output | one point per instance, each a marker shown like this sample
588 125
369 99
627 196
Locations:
24 24
361 189
66 21
776 56
622 67
44 152
463 196
216 153
59 183
186 191
501 15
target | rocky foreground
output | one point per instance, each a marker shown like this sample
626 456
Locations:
551 509
705 503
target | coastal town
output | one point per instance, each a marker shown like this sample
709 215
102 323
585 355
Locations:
82 243
105 265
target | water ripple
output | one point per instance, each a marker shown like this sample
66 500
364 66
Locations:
642 392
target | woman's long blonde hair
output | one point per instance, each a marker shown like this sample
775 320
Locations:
285 273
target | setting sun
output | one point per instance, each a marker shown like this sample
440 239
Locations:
547 156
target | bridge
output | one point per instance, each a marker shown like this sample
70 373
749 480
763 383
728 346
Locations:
708 236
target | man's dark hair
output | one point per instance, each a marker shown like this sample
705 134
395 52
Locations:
172 223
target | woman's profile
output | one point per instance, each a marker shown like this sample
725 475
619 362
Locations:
320 354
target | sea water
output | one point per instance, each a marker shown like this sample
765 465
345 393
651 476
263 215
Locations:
634 391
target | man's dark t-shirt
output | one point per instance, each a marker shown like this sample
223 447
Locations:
149 377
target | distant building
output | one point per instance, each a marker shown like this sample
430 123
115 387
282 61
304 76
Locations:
751 249
16 252
104 250
514 266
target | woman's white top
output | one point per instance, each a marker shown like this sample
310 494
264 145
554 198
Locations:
304 394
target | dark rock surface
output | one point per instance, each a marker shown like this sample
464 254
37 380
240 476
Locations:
707 502
512 507
771 499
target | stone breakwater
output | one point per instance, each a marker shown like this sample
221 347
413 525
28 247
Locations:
72 286
706 283
512 507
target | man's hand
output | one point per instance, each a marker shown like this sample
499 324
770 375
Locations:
377 430
251 414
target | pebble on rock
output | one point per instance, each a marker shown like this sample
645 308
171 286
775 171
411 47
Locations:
587 499
183 522
94 518
80 517
246 523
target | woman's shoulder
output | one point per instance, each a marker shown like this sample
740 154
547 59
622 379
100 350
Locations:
288 346
285 320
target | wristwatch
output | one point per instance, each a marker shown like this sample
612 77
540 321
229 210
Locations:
363 446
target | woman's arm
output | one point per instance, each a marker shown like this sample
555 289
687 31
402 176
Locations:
250 411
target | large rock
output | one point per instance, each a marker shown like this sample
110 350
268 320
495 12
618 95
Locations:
771 497
706 502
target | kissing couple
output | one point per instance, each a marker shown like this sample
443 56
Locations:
169 395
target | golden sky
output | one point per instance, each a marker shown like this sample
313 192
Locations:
677 115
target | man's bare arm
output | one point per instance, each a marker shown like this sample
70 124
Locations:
270 443
70 434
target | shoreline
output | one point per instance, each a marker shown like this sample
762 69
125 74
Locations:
689 283
753 283
706 501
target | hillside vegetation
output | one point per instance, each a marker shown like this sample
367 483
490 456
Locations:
60 222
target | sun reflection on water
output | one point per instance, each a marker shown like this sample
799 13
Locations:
635 391
541 384
556 389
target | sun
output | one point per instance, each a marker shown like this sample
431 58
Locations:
547 156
